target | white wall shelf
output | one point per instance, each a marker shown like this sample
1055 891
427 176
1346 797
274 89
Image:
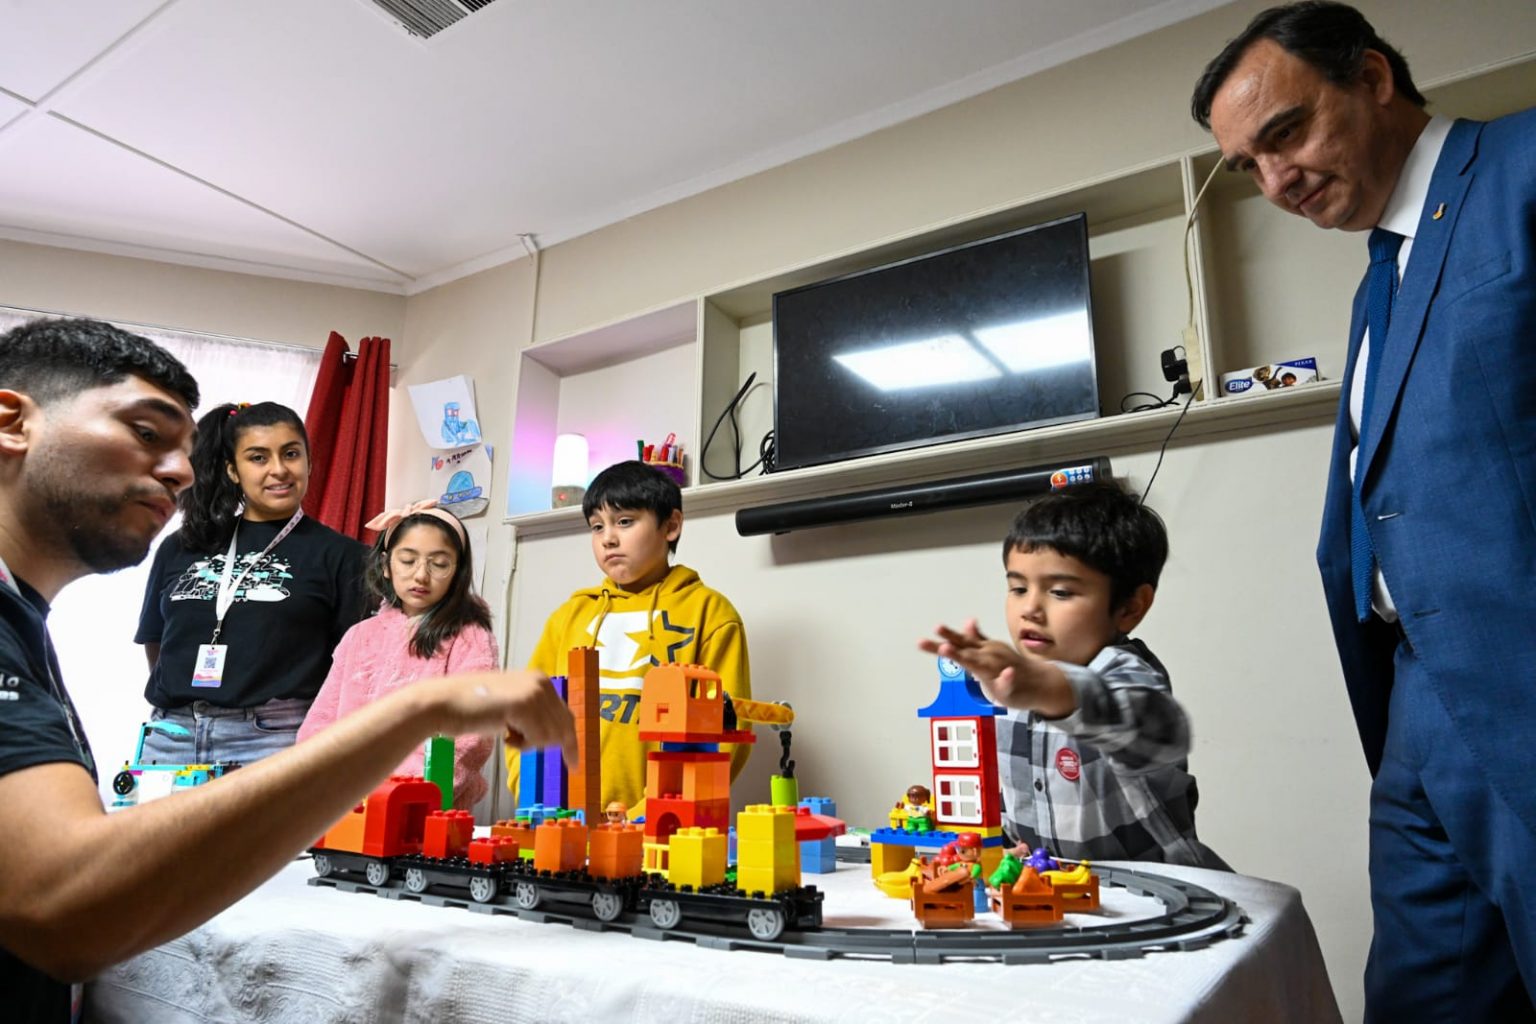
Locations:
1267 288
1067 442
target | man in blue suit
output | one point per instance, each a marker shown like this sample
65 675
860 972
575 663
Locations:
1428 548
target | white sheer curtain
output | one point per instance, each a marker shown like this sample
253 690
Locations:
94 619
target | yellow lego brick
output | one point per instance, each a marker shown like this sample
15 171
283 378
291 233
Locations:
697 857
764 821
767 856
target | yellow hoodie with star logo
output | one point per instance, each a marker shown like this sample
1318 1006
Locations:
678 619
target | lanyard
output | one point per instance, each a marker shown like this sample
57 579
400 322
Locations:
49 657
228 587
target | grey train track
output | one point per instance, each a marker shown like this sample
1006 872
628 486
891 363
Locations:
1193 917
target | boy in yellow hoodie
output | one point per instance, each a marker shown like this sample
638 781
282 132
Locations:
645 612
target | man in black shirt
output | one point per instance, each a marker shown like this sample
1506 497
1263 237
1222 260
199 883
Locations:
95 430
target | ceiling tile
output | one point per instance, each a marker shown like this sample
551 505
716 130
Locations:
61 180
551 118
45 43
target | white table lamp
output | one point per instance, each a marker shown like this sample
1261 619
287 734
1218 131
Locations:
568 479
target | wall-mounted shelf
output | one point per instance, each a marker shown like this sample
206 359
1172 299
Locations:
1267 288
1313 403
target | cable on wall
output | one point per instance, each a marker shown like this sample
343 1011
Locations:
531 243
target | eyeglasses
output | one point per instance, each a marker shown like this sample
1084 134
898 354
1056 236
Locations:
435 568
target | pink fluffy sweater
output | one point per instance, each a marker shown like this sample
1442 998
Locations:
375 659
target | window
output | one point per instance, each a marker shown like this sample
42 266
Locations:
954 743
958 800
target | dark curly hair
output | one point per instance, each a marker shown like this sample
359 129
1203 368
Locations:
52 358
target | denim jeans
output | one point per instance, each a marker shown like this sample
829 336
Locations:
243 735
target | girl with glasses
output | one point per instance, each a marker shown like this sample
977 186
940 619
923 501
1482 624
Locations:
431 624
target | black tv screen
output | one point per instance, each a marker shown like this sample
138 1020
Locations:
984 338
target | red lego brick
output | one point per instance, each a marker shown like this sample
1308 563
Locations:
492 850
447 834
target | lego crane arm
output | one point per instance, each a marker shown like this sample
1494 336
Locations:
762 712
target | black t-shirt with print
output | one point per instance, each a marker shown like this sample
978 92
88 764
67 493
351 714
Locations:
287 616
37 726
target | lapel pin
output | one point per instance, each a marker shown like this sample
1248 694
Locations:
1439 212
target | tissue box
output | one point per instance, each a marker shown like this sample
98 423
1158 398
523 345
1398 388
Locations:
1270 376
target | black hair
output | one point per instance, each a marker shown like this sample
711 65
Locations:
211 506
634 486
1331 37
48 359
460 606
1101 526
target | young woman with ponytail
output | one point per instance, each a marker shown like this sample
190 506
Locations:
247 600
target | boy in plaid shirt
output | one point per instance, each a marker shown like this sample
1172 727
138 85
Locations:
1092 753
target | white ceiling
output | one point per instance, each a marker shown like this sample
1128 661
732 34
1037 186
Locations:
315 139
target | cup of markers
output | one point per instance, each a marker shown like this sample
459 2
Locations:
667 457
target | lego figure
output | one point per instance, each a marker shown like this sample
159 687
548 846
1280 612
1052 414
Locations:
917 809
615 813
967 858
965 852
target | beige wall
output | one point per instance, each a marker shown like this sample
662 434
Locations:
833 613
190 298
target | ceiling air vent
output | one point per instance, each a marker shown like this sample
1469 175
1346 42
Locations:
426 18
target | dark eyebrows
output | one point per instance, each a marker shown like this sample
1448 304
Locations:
1055 577
159 407
1276 121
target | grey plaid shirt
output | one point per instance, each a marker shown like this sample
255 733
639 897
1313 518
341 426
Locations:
1109 781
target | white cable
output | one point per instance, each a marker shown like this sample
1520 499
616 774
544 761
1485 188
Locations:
1189 276
531 244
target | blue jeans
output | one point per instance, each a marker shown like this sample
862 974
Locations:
1451 886
243 735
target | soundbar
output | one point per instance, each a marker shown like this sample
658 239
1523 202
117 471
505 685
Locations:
912 499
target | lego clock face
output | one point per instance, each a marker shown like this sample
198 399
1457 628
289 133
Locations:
949 670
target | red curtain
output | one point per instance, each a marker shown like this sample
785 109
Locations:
348 425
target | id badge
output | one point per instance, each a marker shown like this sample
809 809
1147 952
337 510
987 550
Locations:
209 668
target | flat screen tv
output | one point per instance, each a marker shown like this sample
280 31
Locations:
985 338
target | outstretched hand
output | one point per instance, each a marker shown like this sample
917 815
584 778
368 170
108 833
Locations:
521 704
1010 677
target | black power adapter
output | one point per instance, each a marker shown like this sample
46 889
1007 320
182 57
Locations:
1176 370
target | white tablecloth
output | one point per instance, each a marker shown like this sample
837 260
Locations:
294 952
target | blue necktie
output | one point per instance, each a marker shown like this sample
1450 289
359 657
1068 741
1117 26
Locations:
1380 289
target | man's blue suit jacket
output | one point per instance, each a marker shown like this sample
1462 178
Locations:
1448 468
